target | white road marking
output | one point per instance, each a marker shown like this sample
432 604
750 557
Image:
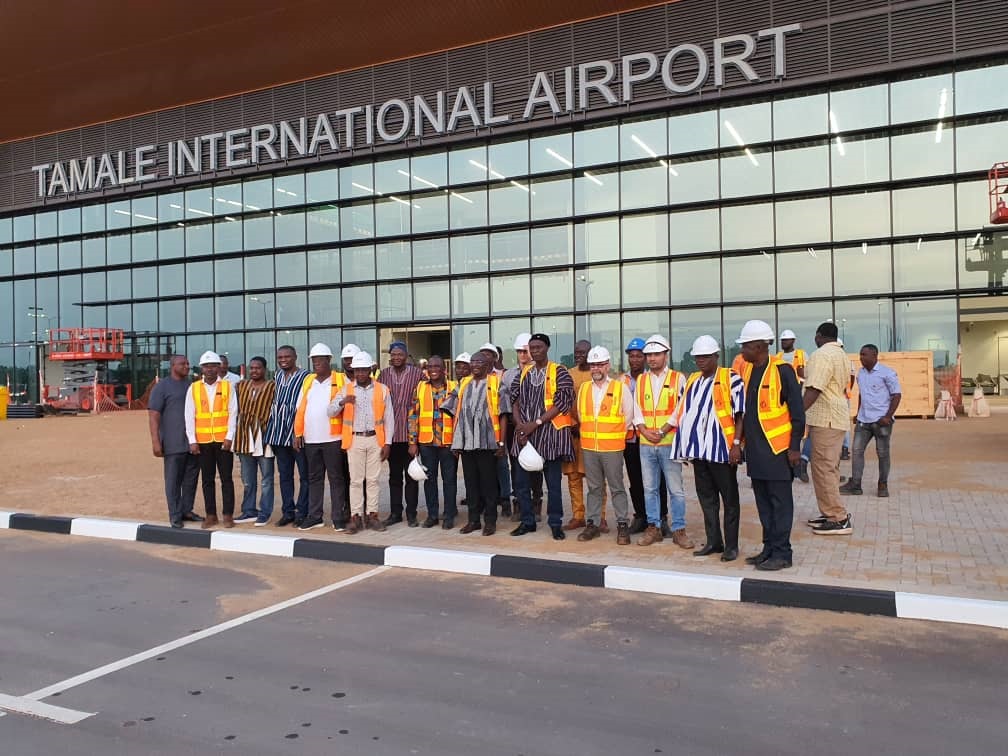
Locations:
24 705
164 648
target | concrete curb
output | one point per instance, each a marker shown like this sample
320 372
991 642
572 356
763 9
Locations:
667 582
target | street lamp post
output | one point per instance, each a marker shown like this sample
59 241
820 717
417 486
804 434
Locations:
588 284
38 313
264 303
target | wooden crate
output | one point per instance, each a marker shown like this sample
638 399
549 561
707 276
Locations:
916 376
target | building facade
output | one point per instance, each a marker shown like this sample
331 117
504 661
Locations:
678 169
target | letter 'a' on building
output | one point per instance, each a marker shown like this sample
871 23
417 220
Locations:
580 181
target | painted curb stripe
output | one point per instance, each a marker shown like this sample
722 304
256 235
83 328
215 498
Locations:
250 543
808 596
190 537
41 524
691 585
98 528
952 609
445 560
32 708
548 570
338 551
5 520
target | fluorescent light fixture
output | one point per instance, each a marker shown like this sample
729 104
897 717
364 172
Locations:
229 218
402 201
811 252
554 154
836 130
253 207
486 169
592 178
942 103
640 143
764 253
671 170
363 188
520 186
752 158
456 195
976 240
417 178
145 217
864 248
198 212
122 212
284 191
735 135
918 243
177 207
180 224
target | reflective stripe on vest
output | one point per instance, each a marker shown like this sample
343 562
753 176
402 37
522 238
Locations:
607 431
211 424
657 413
493 401
721 393
425 423
563 420
774 415
377 408
338 381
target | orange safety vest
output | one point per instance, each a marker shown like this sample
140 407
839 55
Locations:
493 400
721 392
563 420
377 407
335 423
799 361
605 432
211 424
657 409
774 415
425 423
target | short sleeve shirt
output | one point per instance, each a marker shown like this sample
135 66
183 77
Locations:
828 370
168 398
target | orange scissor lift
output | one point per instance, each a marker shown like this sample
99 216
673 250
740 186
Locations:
86 353
997 186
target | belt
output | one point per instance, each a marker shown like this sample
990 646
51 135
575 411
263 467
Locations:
364 433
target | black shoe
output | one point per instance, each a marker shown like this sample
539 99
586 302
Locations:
310 523
757 559
448 523
638 525
430 522
339 525
730 555
774 564
523 529
558 533
830 527
666 529
177 523
815 521
803 471
285 520
708 549
298 521
505 507
850 488
412 522
844 453
191 517
391 520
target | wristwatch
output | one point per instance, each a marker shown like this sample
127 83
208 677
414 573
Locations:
500 444
736 442
538 421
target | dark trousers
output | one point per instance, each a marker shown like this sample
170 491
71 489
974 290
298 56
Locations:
286 459
479 470
181 473
552 474
326 460
213 457
863 434
398 461
440 460
775 504
716 482
534 479
631 459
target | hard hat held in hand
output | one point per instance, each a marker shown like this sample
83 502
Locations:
416 470
529 458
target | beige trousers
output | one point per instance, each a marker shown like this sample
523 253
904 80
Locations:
825 464
364 460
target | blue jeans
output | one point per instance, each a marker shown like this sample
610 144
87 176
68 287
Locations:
286 458
251 468
654 462
435 459
552 474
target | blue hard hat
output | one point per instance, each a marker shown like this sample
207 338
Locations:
637 344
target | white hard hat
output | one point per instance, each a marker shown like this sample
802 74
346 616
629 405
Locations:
529 458
209 358
416 470
656 345
598 354
464 357
320 350
362 360
488 347
787 333
705 345
522 340
349 350
755 330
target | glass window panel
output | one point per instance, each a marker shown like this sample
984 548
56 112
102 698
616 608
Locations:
746 173
693 281
692 132
864 215
597 288
429 171
509 250
552 245
928 324
94 251
644 185
431 300
468 208
117 249
693 180
596 146
69 255
978 267
803 318
646 235
258 231
117 215
509 295
24 228
596 191
390 176
357 180
92 219
199 312
686 325
324 223
597 240
24 302
171 207
503 331
290 269
972 204
358 263
229 313
395 302
227 198
289 228
324 266
647 138
924 265
46 257
172 316
145 316
805 221
864 321
145 282
260 311
643 323
795 117
69 223
860 161
862 270
745 226
552 291
258 193
645 284
228 275
468 253
859 108
509 158
291 309
509 203
289 189
144 246
560 329
745 125
120 316
199 277
926 98
466 337
467 165
430 213
198 203
694 231
119 284
805 274
470 296
601 328
6 263
171 280
430 257
259 272
69 302
748 278
924 209
552 198
324 307
801 167
7 230
93 287
199 239
981 145
393 260
553 152
922 153
171 242
733 318
981 89
322 185
392 216
24 260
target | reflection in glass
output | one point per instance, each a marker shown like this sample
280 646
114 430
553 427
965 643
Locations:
693 180
430 257
924 265
392 216
470 296
171 280
748 278
358 263
358 180
922 152
925 98
259 272
805 221
509 295
199 279
429 171
597 145
229 313
289 228
923 209
745 125
288 189
864 215
291 309
358 304
860 161
509 250
228 275
431 300
692 132
859 108
981 89
227 234
746 173
645 284
644 185
686 326
552 245
392 260
395 302
597 288
802 166
509 159
597 240
803 318
645 236
227 198
746 226
322 185
467 208
509 202
469 253
391 176
694 281
864 321
551 198
467 165
552 291
324 306
596 191
551 153
801 116
862 270
430 213
979 146
805 273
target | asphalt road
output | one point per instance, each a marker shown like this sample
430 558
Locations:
405 662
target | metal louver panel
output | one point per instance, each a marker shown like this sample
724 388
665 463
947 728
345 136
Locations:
551 49
804 11
839 7
922 32
744 18
24 190
321 96
424 76
808 52
289 102
118 135
68 145
93 139
859 44
24 155
596 40
198 119
144 129
690 21
976 24
45 148
227 114
6 189
356 88
509 70
467 67
644 31
6 158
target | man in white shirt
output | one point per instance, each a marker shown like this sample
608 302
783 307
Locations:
211 413
225 372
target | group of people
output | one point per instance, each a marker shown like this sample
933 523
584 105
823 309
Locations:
514 430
